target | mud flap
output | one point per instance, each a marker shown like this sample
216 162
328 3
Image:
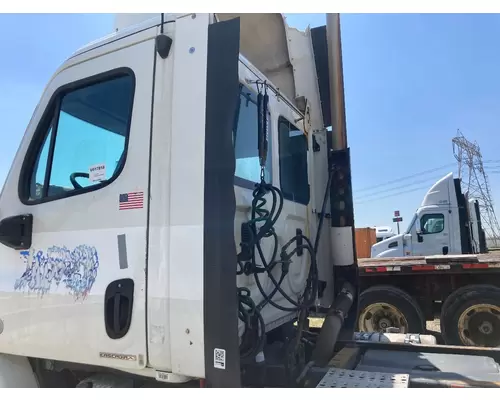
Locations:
222 362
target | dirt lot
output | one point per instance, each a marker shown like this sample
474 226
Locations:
434 329
434 326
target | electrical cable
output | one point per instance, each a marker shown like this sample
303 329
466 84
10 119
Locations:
404 178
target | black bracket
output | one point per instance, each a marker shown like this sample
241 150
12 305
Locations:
15 232
300 242
163 45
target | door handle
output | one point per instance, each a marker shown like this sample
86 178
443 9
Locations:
118 306
16 232
116 312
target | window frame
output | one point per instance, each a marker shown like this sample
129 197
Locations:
50 117
430 215
246 183
287 196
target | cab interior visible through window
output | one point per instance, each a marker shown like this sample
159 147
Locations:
84 139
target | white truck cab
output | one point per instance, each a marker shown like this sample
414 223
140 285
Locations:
445 223
125 212
157 223
383 232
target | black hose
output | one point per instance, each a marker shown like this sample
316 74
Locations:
249 314
251 244
260 214
327 338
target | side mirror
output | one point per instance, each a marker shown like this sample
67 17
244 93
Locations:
418 228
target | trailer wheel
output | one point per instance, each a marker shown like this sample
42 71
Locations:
382 307
471 317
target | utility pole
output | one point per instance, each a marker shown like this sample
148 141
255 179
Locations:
475 181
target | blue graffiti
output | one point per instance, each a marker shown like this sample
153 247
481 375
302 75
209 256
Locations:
75 269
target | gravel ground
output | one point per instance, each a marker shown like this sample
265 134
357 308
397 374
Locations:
434 329
434 326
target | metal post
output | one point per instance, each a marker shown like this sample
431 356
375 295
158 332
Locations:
337 104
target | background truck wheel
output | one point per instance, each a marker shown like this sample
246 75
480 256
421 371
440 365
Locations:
471 317
381 307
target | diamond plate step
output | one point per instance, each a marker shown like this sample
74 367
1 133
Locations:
345 378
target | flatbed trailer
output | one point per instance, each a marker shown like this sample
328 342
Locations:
456 263
463 291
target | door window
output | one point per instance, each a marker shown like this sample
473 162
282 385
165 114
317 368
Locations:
432 223
245 141
293 162
83 145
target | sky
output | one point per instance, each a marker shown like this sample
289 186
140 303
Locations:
411 80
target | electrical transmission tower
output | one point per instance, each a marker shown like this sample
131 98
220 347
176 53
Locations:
474 180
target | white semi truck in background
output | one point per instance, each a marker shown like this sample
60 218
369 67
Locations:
439 268
445 223
177 208
383 232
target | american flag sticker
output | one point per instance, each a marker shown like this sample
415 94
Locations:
131 200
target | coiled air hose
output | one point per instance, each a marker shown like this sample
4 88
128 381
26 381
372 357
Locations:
252 244
259 227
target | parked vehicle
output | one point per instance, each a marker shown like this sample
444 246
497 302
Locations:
164 220
383 232
445 223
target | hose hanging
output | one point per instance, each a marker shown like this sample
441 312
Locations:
252 236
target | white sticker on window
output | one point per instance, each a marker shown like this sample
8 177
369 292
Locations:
97 172
220 358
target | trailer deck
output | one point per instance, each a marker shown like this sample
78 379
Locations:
452 263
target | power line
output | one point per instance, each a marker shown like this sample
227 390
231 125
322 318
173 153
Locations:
431 179
405 178
391 195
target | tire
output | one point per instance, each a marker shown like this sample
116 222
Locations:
470 316
386 305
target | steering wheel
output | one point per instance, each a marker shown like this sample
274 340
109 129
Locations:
75 175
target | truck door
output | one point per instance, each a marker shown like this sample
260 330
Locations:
72 282
431 235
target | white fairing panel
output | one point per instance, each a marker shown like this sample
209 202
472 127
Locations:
264 43
52 296
442 193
